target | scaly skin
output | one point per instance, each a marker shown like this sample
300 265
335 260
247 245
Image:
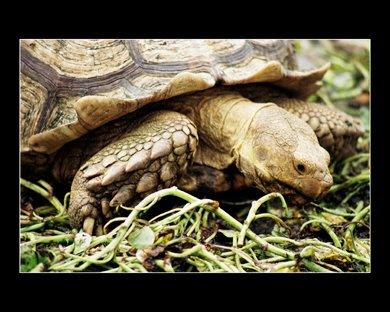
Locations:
275 150
148 157
336 131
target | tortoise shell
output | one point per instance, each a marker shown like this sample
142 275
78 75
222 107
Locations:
70 87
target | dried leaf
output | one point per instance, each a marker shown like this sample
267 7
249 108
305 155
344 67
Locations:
154 251
334 219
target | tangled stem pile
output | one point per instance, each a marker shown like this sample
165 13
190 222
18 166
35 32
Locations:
200 236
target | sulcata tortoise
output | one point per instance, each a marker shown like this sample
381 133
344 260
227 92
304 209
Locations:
123 118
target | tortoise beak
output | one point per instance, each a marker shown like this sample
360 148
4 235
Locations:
313 187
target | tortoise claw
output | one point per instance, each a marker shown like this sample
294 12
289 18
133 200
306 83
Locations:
88 225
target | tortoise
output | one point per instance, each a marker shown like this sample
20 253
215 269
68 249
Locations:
120 119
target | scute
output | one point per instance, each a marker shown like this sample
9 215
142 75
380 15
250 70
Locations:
83 84
80 58
33 95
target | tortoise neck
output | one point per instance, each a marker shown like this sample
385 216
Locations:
223 120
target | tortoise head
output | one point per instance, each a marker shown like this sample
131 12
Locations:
281 153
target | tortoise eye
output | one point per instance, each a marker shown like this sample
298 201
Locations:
301 168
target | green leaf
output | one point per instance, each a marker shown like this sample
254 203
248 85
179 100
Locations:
227 233
28 259
346 94
298 46
343 80
142 238
81 242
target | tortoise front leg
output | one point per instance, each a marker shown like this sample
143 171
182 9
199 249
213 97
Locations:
148 158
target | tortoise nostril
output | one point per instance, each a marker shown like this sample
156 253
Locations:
301 168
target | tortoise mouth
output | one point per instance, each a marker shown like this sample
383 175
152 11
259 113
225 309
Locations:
290 193
294 195
297 197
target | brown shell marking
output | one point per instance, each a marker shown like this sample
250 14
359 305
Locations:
101 80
